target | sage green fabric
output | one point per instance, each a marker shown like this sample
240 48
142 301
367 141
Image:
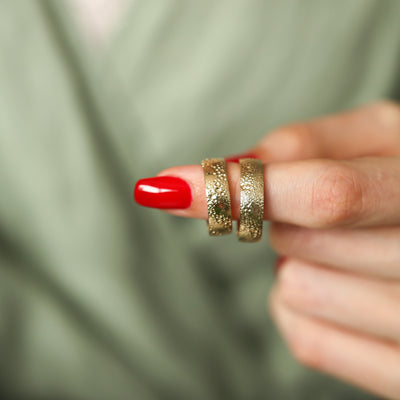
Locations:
103 299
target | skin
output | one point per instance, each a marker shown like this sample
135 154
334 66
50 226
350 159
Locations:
333 198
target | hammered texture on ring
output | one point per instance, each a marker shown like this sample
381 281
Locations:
250 225
218 198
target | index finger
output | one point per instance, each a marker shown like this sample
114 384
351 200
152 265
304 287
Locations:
312 193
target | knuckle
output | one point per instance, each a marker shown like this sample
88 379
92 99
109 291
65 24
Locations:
291 239
337 196
297 291
388 112
278 237
307 347
297 138
393 295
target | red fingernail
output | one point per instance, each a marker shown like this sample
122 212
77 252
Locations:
165 192
279 263
235 158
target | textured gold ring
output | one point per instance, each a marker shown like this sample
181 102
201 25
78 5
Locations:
218 198
250 225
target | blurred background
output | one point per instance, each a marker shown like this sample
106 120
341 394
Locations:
102 299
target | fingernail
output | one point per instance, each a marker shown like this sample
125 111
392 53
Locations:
165 192
235 158
279 263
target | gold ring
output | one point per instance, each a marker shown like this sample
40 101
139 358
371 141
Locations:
250 225
218 198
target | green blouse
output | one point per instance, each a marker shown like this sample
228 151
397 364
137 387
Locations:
102 299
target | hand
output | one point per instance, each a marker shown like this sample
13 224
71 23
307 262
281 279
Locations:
337 296
333 196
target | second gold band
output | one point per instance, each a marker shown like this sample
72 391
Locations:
251 200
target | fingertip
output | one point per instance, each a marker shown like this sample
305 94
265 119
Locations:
163 192
193 176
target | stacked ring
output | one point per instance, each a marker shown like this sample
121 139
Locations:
218 198
250 225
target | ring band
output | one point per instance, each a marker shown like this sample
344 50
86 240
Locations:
218 198
250 225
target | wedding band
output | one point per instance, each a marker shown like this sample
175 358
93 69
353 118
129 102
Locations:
250 225
218 198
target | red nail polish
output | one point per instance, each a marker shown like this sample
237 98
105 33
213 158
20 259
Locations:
235 158
166 192
279 263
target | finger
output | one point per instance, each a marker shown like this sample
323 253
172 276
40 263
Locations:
366 131
367 362
368 306
313 193
372 251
